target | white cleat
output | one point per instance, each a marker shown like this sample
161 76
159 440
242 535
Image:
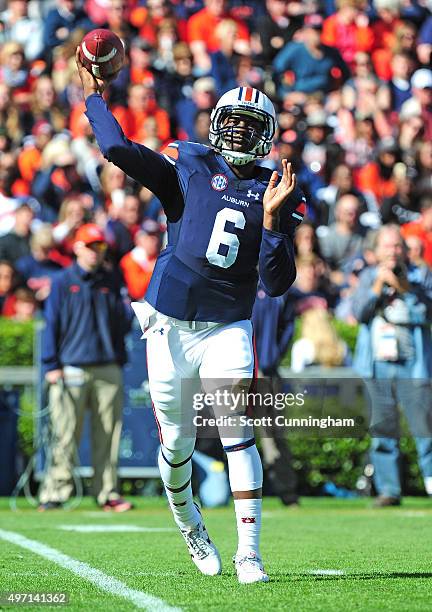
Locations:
203 552
249 568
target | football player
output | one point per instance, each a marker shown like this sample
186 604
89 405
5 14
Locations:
226 217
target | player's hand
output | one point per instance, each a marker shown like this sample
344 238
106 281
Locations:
386 276
276 193
53 376
90 83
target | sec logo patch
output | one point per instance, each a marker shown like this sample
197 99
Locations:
219 182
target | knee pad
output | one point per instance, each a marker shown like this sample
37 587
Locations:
175 466
244 463
174 457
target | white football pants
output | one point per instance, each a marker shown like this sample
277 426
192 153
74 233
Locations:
181 351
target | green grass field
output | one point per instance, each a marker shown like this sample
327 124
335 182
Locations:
383 557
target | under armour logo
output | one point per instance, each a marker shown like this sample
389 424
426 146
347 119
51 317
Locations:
248 519
161 331
250 194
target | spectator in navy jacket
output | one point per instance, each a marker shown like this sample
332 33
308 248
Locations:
82 354
38 268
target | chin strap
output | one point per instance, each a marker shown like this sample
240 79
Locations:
237 158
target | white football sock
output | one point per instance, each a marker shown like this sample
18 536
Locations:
245 474
248 514
244 465
176 479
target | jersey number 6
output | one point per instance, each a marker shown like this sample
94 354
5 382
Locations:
220 237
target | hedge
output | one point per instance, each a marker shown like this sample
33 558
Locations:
16 343
342 461
16 349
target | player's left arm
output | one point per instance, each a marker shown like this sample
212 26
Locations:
276 260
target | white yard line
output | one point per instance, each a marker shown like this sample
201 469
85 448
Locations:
327 572
113 528
106 583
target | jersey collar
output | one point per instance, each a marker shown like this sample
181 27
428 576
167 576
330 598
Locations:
226 169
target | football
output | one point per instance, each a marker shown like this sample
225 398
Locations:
102 53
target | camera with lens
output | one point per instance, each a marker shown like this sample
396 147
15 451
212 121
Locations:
399 271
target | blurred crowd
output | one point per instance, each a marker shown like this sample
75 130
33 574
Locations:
352 84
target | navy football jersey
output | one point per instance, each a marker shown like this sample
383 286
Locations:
216 241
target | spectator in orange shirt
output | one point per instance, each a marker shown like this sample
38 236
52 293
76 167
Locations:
147 18
137 265
30 158
141 61
377 176
78 121
202 33
422 228
142 105
384 30
348 30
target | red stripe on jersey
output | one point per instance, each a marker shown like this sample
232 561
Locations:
157 424
154 409
248 95
171 152
301 208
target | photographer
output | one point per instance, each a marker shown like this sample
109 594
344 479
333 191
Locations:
393 303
